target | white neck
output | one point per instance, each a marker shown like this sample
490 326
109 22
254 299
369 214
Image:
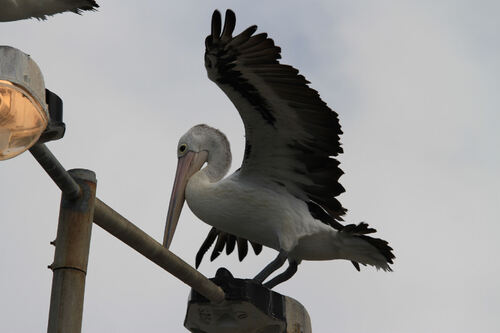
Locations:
219 162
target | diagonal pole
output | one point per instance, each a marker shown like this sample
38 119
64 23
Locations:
133 236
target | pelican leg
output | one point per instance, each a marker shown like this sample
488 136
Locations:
287 274
272 267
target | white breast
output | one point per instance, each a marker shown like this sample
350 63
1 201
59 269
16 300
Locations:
262 214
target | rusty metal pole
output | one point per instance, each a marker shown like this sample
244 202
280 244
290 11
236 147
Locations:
71 255
133 236
55 170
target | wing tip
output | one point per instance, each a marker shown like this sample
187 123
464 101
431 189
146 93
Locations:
216 24
229 25
220 32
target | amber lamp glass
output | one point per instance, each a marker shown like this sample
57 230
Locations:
22 120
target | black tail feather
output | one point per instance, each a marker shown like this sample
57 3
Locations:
361 230
382 246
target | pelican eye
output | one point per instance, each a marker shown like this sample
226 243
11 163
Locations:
182 148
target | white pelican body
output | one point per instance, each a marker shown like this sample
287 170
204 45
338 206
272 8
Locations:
284 194
268 216
264 212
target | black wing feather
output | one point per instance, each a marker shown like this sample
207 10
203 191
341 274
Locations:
219 245
212 235
221 240
231 243
281 113
242 248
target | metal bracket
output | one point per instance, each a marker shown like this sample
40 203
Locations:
55 128
249 307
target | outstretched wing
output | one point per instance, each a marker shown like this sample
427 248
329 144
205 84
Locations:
292 136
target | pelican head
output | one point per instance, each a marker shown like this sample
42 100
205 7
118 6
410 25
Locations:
201 144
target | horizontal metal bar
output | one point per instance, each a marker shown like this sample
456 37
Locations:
127 232
56 171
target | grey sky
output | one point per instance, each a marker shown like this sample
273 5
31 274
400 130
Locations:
416 88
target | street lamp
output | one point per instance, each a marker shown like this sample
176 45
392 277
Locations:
23 111
31 115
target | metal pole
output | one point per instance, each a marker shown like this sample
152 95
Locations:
56 171
127 232
71 255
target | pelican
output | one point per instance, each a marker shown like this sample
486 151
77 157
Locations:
284 195
13 10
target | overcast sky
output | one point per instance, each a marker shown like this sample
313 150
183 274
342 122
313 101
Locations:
415 85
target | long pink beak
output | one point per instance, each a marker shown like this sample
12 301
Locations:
187 165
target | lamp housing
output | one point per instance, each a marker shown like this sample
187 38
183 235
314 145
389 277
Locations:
23 109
